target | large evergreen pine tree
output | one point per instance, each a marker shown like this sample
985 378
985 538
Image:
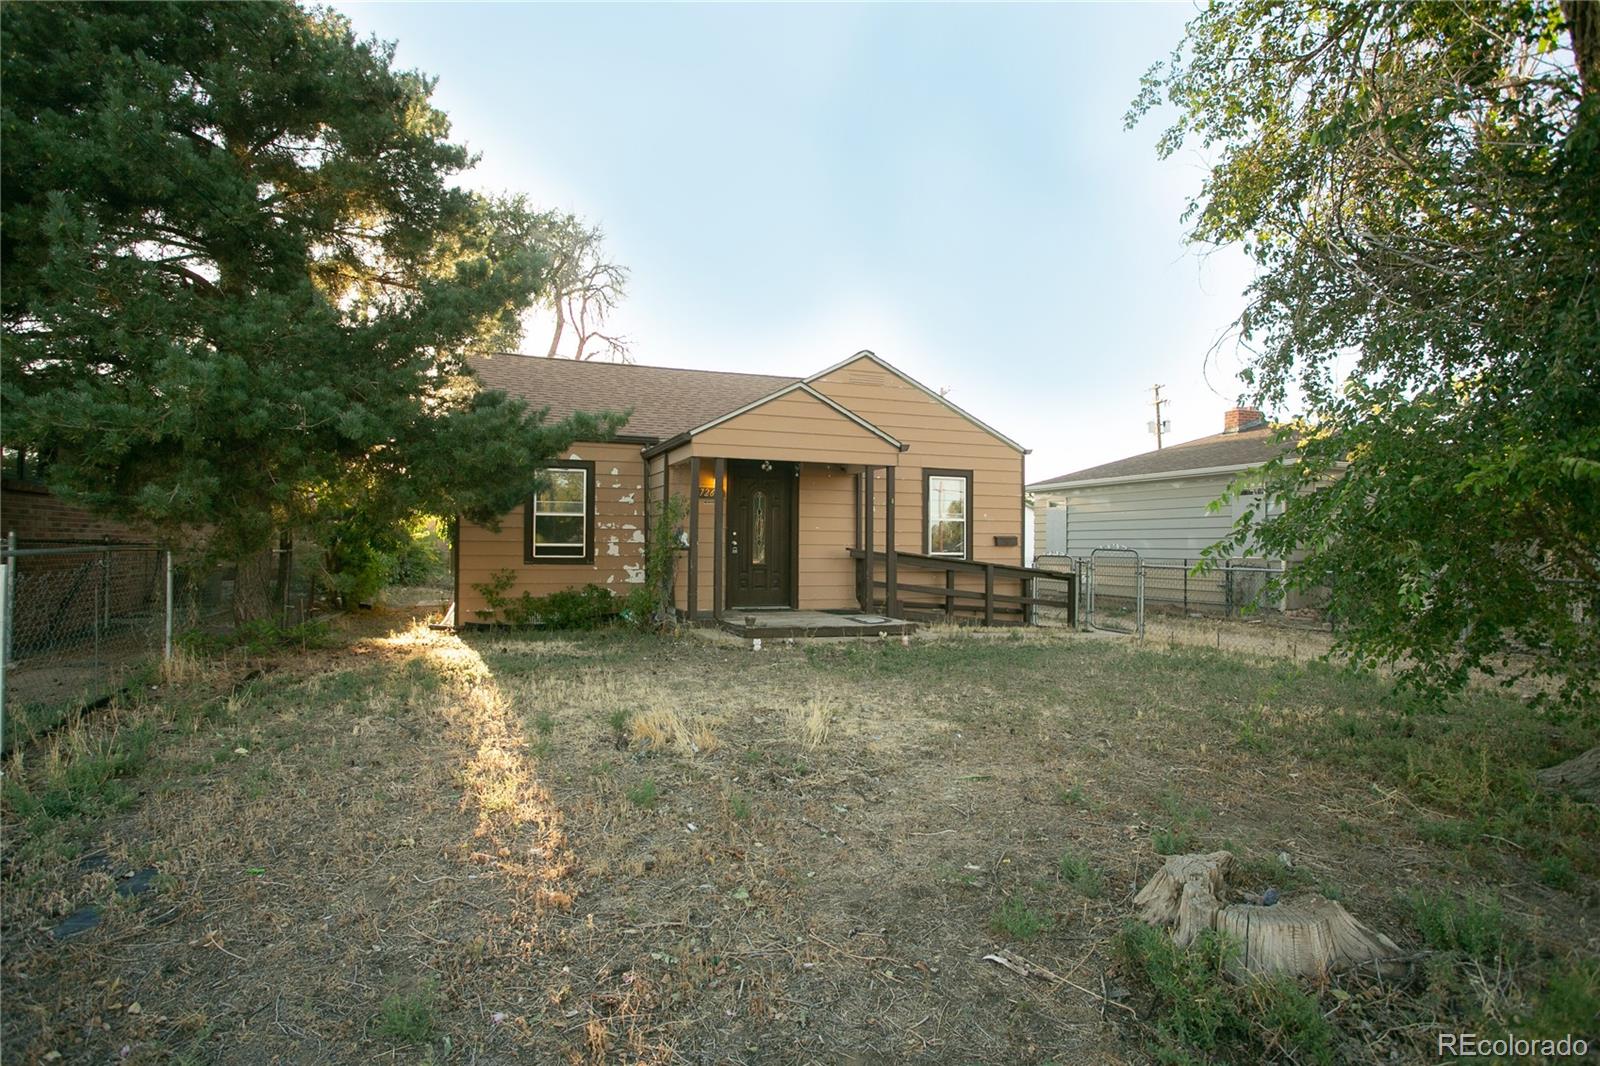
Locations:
239 280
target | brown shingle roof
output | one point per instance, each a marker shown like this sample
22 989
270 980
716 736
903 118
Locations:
665 401
1246 448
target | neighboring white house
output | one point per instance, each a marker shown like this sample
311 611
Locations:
1157 503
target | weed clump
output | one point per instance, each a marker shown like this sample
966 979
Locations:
1015 920
1474 928
1080 874
643 795
407 1017
588 607
1197 1006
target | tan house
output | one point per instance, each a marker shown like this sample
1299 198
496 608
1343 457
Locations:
816 502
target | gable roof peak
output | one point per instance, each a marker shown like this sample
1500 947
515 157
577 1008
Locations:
867 353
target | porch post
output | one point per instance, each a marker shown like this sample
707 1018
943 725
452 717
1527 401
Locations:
855 519
891 598
719 536
694 535
868 593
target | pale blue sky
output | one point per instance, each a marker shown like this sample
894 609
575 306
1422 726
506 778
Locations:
950 186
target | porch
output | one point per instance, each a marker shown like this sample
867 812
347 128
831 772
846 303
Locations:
788 549
767 539
796 503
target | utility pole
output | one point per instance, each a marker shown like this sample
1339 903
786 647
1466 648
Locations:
1159 403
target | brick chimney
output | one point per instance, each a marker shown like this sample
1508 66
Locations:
1242 418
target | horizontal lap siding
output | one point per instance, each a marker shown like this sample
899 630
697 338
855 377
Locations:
827 532
1041 535
938 438
618 533
1160 519
796 427
790 428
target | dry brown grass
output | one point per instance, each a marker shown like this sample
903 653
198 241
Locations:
829 833
811 720
659 727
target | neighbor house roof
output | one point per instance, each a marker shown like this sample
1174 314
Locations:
1216 454
665 401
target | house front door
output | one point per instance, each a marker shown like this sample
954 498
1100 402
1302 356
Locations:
761 534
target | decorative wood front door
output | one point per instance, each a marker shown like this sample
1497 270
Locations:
761 535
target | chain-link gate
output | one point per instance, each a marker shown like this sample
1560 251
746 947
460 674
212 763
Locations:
75 623
1115 596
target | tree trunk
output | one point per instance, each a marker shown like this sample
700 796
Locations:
285 562
555 338
1583 22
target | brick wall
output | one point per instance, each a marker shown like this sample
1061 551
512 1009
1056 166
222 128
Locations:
40 519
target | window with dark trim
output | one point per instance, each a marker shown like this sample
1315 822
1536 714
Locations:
946 529
558 519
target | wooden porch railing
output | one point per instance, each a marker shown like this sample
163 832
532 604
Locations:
992 602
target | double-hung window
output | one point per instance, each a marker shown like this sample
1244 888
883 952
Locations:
944 496
558 524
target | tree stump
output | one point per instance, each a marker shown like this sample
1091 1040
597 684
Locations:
1185 894
1304 937
1579 775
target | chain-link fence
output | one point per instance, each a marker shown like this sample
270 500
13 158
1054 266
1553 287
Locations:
79 621
1114 593
76 623
1115 582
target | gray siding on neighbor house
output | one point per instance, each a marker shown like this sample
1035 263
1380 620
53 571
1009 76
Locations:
1162 519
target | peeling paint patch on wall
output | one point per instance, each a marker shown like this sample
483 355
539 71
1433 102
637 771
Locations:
635 574
483 551
629 499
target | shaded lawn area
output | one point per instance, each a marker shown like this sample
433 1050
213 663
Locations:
608 847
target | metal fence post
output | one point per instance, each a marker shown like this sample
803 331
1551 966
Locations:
1083 591
9 588
99 585
5 633
1088 607
1138 589
166 645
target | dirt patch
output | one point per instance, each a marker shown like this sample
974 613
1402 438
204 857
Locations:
612 848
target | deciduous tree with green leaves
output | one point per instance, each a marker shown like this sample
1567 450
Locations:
240 279
1419 186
